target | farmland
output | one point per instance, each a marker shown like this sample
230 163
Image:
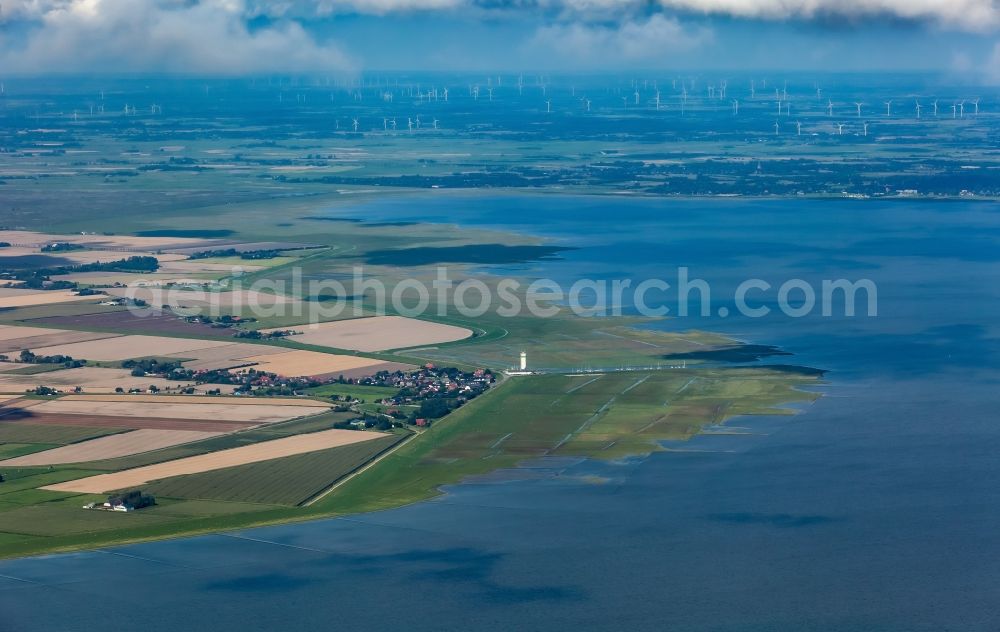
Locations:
122 444
599 416
378 333
604 416
263 451
168 408
20 433
288 481
353 391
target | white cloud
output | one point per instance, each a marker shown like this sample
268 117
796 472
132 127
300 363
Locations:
993 66
650 40
168 35
322 8
966 14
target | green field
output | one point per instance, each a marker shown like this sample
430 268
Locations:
288 481
323 421
13 432
11 450
353 391
602 416
605 416
35 369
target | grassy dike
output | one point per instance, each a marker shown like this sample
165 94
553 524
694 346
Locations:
604 416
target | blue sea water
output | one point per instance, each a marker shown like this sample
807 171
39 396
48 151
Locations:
875 509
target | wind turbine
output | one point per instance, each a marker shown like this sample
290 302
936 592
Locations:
445 93
753 89
548 106
657 100
409 124
975 102
385 124
859 108
776 128
961 108
954 110
798 128
829 107
355 123
393 123
888 107
490 90
636 97
918 109
587 101
736 107
935 107
435 123
866 129
840 129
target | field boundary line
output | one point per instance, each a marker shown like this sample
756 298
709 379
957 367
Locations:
344 479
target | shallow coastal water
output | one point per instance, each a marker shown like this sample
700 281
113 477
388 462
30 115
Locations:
875 509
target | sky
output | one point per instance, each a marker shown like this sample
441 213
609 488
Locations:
350 37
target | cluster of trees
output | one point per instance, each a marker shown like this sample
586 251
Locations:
220 322
28 357
153 366
233 252
61 246
260 335
39 279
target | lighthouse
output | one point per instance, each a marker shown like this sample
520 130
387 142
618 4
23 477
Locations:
524 360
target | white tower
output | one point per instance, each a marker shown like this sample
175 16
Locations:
524 361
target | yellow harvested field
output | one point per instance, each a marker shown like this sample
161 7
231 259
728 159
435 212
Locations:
201 409
264 451
110 447
308 363
16 291
378 333
195 266
130 278
89 378
228 355
11 332
49 297
28 239
52 338
196 399
125 347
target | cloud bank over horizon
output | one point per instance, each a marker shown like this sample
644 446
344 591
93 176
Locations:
243 36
